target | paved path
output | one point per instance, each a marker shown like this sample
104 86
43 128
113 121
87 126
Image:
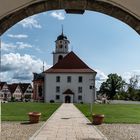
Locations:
68 123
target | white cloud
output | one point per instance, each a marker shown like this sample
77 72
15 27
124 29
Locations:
127 75
21 45
58 15
16 67
38 50
101 76
8 47
19 36
30 22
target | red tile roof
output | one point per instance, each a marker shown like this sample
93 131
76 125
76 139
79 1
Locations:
24 86
12 87
2 84
71 63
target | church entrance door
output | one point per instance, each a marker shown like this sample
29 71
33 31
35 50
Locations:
67 99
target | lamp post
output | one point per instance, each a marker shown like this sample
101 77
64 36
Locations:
92 87
0 58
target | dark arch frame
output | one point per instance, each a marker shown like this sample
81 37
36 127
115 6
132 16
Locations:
60 57
46 5
67 99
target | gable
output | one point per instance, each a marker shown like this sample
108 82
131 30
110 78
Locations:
71 63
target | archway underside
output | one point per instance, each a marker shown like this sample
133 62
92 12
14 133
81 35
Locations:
99 6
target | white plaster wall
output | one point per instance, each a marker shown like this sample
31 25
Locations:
64 43
50 86
17 94
29 91
56 55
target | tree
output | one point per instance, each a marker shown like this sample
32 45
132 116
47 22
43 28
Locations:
112 85
133 82
132 91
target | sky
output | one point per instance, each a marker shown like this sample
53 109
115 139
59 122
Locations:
104 43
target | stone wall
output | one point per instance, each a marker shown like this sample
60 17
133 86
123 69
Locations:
73 5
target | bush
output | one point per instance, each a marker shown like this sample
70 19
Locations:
27 96
12 99
51 101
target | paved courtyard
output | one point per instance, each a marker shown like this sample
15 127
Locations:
68 123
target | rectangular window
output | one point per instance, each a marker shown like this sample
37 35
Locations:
57 97
79 89
90 87
79 97
69 79
80 79
57 78
57 89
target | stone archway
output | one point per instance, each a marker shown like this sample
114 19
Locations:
76 6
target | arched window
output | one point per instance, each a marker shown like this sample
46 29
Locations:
61 46
60 57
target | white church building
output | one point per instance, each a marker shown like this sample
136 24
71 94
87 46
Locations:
69 80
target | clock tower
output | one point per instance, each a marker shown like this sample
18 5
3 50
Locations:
61 48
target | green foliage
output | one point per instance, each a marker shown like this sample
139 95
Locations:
112 86
114 113
18 111
27 96
13 99
132 91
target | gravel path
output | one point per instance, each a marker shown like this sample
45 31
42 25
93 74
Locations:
120 131
17 131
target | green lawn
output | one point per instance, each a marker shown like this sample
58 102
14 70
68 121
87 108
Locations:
114 113
19 111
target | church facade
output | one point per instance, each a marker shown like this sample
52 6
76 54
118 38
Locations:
68 80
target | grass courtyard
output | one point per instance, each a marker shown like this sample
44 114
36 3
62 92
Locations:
18 111
114 113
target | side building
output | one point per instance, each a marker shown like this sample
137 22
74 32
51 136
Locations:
5 93
15 91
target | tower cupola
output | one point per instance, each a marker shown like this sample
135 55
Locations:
61 48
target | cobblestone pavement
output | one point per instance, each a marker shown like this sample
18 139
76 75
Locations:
68 123
120 131
18 131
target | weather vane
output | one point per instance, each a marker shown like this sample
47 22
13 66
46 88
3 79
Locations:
62 28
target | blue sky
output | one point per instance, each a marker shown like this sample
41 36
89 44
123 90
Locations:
104 43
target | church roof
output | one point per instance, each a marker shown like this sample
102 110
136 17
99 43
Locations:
61 37
71 63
